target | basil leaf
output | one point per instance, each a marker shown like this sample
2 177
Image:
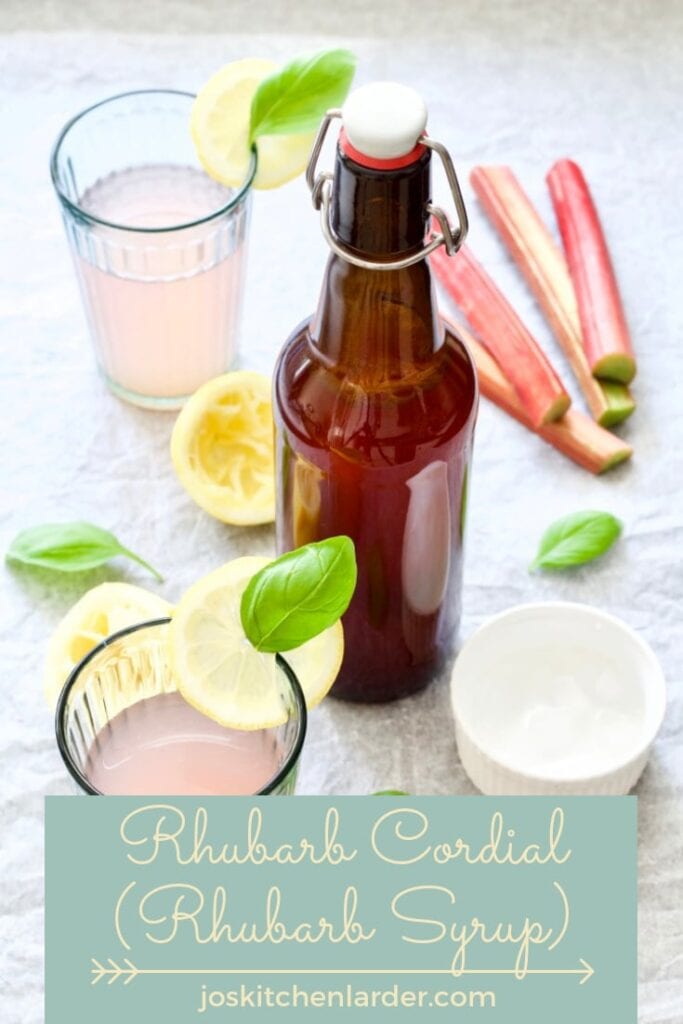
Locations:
295 98
575 539
390 792
299 595
69 547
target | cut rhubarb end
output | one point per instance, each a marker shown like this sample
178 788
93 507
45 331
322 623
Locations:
621 369
616 459
620 403
557 409
535 382
575 435
586 442
606 337
542 263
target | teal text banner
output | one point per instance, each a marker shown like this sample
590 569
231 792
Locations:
494 909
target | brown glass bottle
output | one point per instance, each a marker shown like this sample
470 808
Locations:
375 403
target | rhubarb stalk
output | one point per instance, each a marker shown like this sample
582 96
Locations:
606 338
542 263
539 389
575 435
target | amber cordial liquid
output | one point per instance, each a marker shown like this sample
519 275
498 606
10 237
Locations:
375 404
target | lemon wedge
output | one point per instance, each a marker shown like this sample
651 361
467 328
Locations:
222 448
99 613
221 674
220 130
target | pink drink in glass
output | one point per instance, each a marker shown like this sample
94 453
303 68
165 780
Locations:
159 246
163 307
163 746
123 728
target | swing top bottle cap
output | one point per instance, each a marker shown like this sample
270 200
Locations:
382 122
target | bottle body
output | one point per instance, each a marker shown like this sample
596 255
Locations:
375 403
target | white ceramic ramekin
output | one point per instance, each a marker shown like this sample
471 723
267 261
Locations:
516 670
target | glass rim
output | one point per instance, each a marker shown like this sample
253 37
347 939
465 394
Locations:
60 713
78 210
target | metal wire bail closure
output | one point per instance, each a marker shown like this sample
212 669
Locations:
321 195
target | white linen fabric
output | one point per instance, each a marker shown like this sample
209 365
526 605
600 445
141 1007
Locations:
520 83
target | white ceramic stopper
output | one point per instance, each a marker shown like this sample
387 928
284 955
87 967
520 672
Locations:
384 120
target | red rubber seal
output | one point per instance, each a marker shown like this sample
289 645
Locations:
379 165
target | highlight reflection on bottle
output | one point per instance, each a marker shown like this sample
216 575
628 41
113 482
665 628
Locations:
427 539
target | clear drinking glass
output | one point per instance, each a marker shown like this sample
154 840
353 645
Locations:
123 729
159 247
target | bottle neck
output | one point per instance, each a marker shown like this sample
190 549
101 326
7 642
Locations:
381 213
378 323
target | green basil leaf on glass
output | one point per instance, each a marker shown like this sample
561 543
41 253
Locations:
299 595
295 98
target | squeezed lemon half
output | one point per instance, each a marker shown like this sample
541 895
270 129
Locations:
99 613
222 448
220 673
220 130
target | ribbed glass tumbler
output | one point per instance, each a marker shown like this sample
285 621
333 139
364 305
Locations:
123 729
159 247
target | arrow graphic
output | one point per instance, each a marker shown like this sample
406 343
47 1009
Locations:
115 972
586 971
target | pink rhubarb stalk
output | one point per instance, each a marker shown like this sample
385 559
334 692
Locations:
542 263
606 338
539 389
575 435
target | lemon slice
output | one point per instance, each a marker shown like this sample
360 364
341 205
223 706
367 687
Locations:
222 448
99 613
219 672
220 130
